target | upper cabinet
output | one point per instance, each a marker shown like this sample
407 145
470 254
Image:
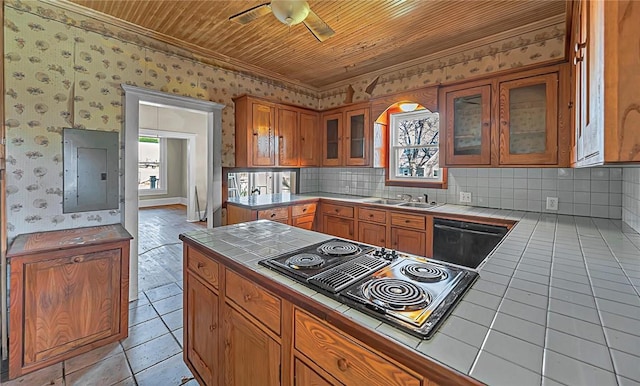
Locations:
347 136
512 120
270 134
605 79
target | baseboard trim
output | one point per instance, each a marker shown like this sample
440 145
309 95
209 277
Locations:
162 201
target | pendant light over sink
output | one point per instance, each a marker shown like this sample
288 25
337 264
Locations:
289 12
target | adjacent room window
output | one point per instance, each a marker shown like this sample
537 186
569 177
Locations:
152 165
413 148
243 184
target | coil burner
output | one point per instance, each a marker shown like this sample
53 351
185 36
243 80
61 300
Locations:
424 273
396 294
305 261
339 248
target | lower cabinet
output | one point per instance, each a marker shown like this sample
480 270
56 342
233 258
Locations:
409 241
338 226
303 375
374 234
251 356
201 329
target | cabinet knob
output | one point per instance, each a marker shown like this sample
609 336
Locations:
247 298
343 365
78 259
407 221
212 327
273 215
200 265
577 60
255 134
370 215
579 46
304 210
337 210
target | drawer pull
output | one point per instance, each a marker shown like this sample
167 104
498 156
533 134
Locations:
212 327
337 210
200 264
343 365
273 215
247 298
78 259
304 210
407 221
370 215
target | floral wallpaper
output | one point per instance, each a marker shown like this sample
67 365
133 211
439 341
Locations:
63 70
534 47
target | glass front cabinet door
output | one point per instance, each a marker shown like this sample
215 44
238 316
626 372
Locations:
529 120
332 139
468 126
357 135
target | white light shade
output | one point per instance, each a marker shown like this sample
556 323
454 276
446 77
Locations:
290 12
408 106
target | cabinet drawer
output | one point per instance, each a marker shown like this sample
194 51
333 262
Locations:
255 300
408 221
274 214
346 360
299 210
338 210
305 222
202 266
373 215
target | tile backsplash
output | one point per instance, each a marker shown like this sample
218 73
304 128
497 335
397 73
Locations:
593 192
631 197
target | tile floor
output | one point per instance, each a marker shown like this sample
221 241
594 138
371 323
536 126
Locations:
152 354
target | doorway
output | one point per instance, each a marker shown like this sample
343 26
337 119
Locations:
134 96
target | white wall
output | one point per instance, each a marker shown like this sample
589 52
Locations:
183 121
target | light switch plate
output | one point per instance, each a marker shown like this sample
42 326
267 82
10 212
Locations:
465 197
552 203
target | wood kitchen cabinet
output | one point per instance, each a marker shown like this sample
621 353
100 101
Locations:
347 136
409 233
69 294
301 215
520 119
304 375
372 228
605 78
338 220
270 134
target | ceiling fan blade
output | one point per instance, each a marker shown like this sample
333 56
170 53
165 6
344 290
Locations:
318 27
251 14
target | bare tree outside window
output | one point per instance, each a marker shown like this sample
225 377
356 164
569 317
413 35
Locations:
415 145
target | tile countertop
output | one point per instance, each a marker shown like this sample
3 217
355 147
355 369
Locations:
264 200
556 303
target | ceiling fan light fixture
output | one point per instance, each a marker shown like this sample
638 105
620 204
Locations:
290 12
408 106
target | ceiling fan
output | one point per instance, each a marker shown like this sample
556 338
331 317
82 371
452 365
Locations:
289 12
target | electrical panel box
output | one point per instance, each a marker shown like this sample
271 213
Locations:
91 178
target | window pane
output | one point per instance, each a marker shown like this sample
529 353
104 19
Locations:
149 163
467 125
418 162
420 131
528 119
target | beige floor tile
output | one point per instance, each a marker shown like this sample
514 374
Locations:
173 371
92 357
126 382
51 375
173 319
169 304
144 332
141 314
107 372
152 352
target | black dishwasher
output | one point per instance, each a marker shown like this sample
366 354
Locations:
464 243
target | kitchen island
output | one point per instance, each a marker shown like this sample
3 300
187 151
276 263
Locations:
556 303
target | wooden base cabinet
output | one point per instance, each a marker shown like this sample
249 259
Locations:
69 294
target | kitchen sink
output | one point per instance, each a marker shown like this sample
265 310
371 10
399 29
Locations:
386 201
420 204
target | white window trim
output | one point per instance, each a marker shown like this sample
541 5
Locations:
394 118
163 165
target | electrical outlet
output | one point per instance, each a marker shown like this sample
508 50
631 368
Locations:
552 203
465 196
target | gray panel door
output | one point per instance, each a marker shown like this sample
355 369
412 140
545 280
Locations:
92 176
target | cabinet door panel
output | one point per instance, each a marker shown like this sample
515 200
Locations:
263 143
287 137
251 357
310 149
357 137
304 375
201 329
409 241
374 234
332 140
339 227
58 292
468 126
529 120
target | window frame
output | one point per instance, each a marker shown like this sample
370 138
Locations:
390 178
162 142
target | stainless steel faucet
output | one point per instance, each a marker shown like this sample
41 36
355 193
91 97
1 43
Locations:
405 197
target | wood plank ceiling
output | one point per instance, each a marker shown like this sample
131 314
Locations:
370 34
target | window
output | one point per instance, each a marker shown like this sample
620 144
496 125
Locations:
152 165
413 149
243 184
